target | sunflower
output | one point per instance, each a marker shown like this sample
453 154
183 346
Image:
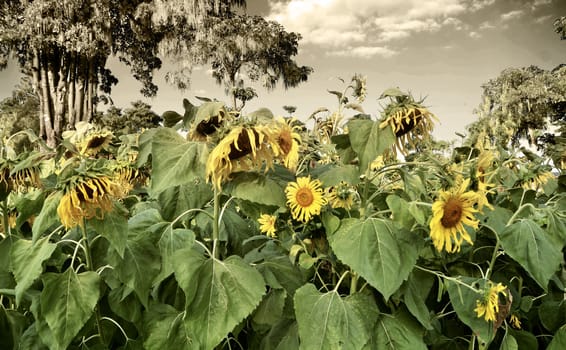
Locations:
23 178
285 142
202 130
94 141
410 121
86 198
341 196
267 223
538 180
453 210
488 306
515 322
242 149
305 198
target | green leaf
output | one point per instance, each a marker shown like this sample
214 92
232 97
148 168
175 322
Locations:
208 110
528 244
280 273
270 310
125 304
257 188
145 144
327 321
283 336
177 200
220 294
509 343
48 215
417 288
464 302
384 257
67 302
165 329
527 340
368 140
559 340
114 227
170 118
27 262
28 206
397 333
172 240
552 314
400 210
334 175
175 161
12 326
497 218
141 261
31 339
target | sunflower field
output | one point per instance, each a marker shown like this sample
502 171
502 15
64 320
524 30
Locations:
223 230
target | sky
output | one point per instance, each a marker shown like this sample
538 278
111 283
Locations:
440 50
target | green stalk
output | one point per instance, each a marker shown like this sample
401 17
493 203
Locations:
354 283
5 214
90 267
215 223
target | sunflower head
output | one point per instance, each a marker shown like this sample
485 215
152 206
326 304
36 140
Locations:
488 306
267 225
203 129
243 148
87 197
452 212
341 196
305 198
411 122
94 142
285 141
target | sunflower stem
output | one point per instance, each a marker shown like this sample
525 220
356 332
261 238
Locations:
443 276
493 257
90 267
353 283
216 222
5 222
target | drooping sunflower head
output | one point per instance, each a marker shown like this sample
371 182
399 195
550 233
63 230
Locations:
26 173
94 142
488 306
341 196
411 122
202 129
285 141
267 225
305 198
537 179
243 148
452 212
87 197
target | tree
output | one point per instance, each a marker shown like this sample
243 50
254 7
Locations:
64 47
131 120
560 27
520 104
242 47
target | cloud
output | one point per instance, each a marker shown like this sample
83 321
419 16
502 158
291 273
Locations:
365 52
486 25
477 5
512 15
475 35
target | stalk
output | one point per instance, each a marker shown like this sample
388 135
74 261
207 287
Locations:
215 223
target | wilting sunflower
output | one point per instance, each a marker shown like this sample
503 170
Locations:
341 196
305 198
453 210
203 129
267 223
94 141
411 122
515 322
86 198
536 181
488 306
242 149
285 142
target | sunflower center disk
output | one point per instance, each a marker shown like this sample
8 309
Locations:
452 213
304 197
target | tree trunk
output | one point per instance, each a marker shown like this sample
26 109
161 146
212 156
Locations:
46 104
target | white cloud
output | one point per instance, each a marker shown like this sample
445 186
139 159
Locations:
512 15
477 5
539 3
365 52
486 25
475 35
543 19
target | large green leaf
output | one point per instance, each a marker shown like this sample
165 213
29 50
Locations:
114 227
67 302
165 329
368 140
27 262
328 321
509 343
397 333
29 205
283 336
141 261
336 174
257 188
463 301
559 340
12 326
172 240
145 145
177 200
528 244
220 294
416 291
384 257
175 161
48 215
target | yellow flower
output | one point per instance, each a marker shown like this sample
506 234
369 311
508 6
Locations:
515 322
305 198
538 180
453 210
488 307
242 149
24 178
94 142
285 143
202 130
341 196
377 163
267 223
86 199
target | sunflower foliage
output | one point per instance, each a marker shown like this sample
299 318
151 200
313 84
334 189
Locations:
248 231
